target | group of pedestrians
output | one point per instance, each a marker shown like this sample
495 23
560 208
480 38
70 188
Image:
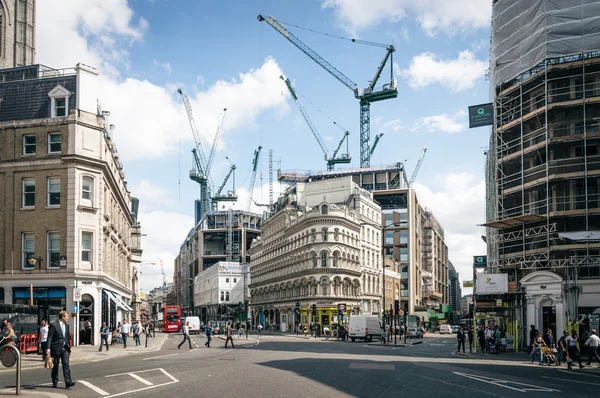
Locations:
567 347
8 336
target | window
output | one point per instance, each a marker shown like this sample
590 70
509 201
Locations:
404 254
226 280
29 144
53 256
87 189
389 237
86 247
324 259
324 210
60 107
226 296
53 191
222 296
54 143
325 233
389 218
234 280
404 236
404 219
28 192
28 250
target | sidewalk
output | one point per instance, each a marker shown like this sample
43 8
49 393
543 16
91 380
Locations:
87 353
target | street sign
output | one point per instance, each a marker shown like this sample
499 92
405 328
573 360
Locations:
75 309
8 357
63 261
467 283
342 307
77 292
481 115
480 261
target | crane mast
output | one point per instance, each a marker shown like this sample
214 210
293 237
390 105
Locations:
215 141
414 174
365 96
253 177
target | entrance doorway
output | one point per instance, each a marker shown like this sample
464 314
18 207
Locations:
549 319
86 319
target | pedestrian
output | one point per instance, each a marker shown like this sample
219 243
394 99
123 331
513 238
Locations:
186 335
532 335
59 347
326 332
470 336
44 338
115 334
562 347
136 333
146 331
103 336
8 337
259 329
481 338
549 338
208 330
460 337
593 341
125 329
228 335
574 353
240 331
538 344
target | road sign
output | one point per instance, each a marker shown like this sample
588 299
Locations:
480 261
77 292
342 307
8 357
75 309
467 283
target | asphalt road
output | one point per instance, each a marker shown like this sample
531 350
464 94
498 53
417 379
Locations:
291 367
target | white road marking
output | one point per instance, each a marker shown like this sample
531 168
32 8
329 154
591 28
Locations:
193 349
505 383
458 385
138 378
571 380
160 356
93 387
571 372
169 376
173 380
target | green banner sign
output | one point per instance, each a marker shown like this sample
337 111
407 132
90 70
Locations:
480 261
481 115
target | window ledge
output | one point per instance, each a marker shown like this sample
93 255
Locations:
28 208
53 153
87 209
52 207
28 155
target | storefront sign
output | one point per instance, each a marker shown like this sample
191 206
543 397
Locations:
492 284
481 115
467 283
479 261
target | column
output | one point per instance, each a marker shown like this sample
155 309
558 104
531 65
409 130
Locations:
531 313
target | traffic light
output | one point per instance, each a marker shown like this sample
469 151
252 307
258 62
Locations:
396 307
314 308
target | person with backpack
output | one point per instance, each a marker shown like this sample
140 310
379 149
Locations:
208 330
460 337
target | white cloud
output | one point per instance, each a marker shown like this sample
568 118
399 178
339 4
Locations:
459 205
391 125
164 65
444 123
434 16
150 194
457 74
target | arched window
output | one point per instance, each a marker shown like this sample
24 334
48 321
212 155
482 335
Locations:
324 210
335 259
324 259
314 259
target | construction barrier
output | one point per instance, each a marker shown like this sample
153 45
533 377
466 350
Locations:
28 343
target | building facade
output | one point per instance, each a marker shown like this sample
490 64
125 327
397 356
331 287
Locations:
543 163
221 292
17 33
436 284
454 289
321 247
65 210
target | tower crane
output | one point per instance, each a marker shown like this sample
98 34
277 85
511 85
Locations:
331 161
377 138
414 174
231 195
253 177
215 141
365 96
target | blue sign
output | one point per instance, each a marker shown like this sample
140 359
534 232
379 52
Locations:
75 309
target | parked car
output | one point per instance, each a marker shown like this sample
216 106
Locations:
414 333
455 329
445 328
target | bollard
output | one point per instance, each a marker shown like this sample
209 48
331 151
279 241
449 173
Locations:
9 361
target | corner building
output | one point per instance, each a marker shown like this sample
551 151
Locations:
65 210
322 247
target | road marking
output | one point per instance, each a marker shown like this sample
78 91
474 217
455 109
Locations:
571 380
505 383
93 387
160 356
458 385
169 376
173 380
571 372
138 378
371 366
193 349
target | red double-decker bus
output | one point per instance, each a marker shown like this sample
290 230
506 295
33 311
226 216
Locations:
171 319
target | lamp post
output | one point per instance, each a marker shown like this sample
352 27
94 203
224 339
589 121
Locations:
33 261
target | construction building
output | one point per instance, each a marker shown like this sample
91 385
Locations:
319 248
66 216
543 166
220 236
17 33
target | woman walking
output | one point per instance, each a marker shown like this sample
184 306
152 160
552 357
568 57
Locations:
574 353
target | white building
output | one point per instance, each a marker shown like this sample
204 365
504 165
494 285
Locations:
220 292
322 248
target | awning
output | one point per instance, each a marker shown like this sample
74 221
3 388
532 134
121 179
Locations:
513 221
117 300
581 236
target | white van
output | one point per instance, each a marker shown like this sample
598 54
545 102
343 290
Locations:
445 328
194 326
364 327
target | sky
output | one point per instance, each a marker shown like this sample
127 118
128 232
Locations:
221 56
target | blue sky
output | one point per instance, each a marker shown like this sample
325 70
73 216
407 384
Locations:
221 56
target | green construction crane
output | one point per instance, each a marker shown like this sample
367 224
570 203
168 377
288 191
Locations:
377 138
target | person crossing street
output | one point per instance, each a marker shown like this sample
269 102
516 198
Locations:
103 336
593 342
59 347
186 335
228 334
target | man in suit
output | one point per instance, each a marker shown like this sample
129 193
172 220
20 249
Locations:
60 348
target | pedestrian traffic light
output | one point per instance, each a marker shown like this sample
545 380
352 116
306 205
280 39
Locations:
396 307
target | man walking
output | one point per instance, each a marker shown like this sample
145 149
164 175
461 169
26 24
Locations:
103 336
593 341
228 334
208 335
470 335
59 347
137 329
125 332
460 336
44 338
186 335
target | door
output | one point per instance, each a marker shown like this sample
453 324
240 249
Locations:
549 319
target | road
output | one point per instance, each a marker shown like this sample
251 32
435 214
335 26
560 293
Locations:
292 367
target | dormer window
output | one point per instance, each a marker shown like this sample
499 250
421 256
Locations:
324 210
59 97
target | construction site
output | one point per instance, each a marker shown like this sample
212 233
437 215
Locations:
543 163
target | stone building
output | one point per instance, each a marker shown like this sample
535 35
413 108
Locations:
65 210
321 247
435 263
17 33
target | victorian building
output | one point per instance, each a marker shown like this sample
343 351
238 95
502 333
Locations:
320 248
